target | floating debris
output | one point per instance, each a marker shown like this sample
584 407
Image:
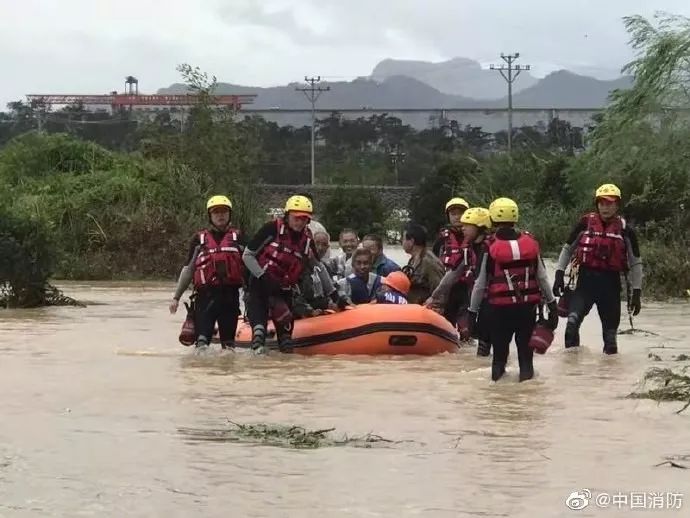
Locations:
670 386
284 436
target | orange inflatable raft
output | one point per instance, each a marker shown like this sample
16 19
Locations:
369 329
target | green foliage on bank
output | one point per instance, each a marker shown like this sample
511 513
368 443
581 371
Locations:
639 145
81 210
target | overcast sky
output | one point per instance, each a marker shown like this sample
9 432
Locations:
89 46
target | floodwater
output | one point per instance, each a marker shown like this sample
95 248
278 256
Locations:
97 405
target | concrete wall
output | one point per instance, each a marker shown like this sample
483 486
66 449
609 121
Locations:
490 120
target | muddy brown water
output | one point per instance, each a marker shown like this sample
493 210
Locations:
98 406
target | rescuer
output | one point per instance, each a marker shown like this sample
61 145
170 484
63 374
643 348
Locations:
448 248
214 265
516 278
462 270
602 246
275 258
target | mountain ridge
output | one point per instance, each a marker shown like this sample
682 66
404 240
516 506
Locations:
385 90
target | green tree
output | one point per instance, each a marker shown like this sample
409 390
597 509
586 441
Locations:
27 259
358 208
427 205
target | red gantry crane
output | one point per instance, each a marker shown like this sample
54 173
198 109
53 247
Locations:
131 98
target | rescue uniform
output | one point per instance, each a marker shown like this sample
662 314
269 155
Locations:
450 252
514 278
218 274
462 268
275 258
602 251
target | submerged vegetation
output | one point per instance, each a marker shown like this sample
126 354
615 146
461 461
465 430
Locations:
123 200
284 436
667 385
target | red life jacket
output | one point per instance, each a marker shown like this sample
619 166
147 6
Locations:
470 259
602 246
514 277
218 263
451 253
282 258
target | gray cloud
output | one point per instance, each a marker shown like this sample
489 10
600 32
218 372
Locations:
85 46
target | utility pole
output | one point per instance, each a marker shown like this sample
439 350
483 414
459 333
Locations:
313 92
510 78
396 156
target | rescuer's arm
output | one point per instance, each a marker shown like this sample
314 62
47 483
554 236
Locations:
543 280
264 236
185 277
440 294
435 272
570 246
186 274
632 248
479 285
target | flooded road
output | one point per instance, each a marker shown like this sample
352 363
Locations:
96 404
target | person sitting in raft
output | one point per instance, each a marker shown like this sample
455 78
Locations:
340 266
314 226
381 265
362 284
394 289
315 292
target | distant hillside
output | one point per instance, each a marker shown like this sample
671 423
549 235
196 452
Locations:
560 89
458 76
564 89
395 92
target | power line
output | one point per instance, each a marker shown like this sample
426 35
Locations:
510 78
313 93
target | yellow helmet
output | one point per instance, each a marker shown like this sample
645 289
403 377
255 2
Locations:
218 201
300 205
608 190
457 202
478 216
504 210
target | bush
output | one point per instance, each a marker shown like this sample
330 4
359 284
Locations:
427 205
27 259
666 268
357 208
35 155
